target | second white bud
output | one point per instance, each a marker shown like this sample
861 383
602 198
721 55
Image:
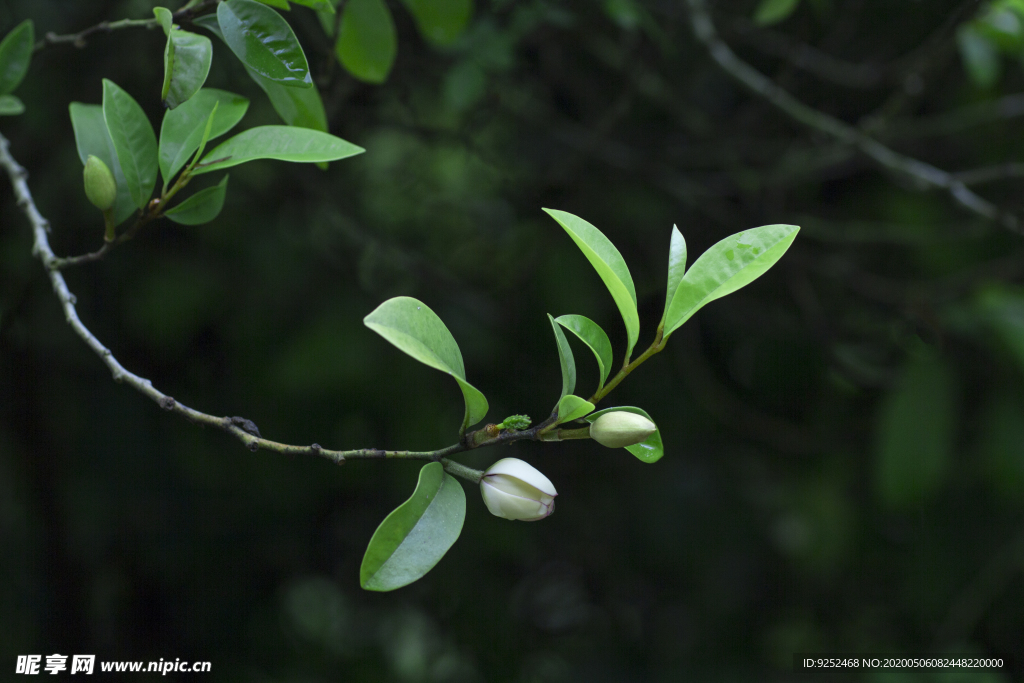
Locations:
513 489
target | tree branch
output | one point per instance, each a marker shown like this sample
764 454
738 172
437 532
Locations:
922 173
78 39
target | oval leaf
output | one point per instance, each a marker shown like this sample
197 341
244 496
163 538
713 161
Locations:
165 17
11 105
572 408
565 360
182 128
729 265
15 55
415 329
440 21
264 42
593 336
773 11
610 265
676 266
417 534
366 44
284 143
134 141
650 449
187 59
91 137
202 207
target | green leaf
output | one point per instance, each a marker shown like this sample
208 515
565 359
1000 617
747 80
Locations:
650 449
280 4
609 264
440 21
417 534
91 137
15 55
318 5
366 44
415 329
565 360
11 105
915 433
202 207
572 407
187 59
182 128
300 107
134 141
264 42
773 11
591 334
277 142
729 265
676 266
166 19
979 55
1003 309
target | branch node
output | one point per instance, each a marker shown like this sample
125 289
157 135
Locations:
166 402
253 445
247 426
315 449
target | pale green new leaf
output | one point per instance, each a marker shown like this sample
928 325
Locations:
591 334
565 360
417 534
610 266
134 141
366 44
165 17
202 207
284 143
440 21
676 266
729 265
572 407
187 59
773 11
182 128
650 449
11 105
15 55
415 329
264 42
91 137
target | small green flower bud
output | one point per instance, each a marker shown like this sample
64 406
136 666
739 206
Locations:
512 489
619 429
100 187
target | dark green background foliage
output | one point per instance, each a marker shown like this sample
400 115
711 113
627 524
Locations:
844 463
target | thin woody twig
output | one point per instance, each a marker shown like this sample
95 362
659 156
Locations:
921 172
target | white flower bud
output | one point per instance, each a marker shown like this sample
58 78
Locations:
514 490
619 429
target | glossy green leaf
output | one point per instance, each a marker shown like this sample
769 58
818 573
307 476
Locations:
91 137
727 266
565 360
415 329
187 59
284 143
610 266
591 334
11 105
650 449
915 434
165 17
676 266
979 55
440 21
264 42
15 55
571 408
202 207
773 11
417 534
300 107
182 128
366 44
134 141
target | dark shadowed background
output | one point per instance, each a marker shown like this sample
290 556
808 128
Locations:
844 439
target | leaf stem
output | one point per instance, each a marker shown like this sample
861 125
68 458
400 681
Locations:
655 347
